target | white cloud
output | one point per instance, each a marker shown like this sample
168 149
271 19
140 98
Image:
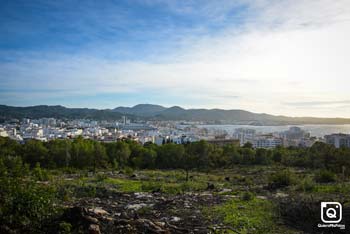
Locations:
285 52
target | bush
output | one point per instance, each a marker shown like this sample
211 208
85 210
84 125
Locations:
40 174
306 185
101 177
65 228
25 205
129 171
151 186
247 196
325 176
282 179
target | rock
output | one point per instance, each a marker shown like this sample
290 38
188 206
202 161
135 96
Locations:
187 205
108 219
91 219
124 215
225 190
175 219
94 229
161 224
142 195
121 222
75 214
281 195
99 211
110 173
135 206
150 226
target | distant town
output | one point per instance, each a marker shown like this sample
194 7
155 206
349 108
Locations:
159 132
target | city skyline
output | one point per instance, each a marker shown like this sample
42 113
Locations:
250 55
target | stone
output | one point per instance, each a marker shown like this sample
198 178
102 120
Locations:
135 206
175 219
225 190
99 211
94 229
91 219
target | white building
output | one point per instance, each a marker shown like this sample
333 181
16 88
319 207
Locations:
244 135
338 140
266 141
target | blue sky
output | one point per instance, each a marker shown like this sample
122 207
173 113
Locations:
281 57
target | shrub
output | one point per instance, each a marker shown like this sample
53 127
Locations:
65 228
282 179
101 177
247 196
151 186
128 170
40 174
325 176
25 205
85 191
306 185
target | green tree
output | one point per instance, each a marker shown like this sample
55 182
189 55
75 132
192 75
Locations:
145 159
170 155
100 158
82 153
122 153
36 152
60 151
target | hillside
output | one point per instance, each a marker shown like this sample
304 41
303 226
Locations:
44 111
157 112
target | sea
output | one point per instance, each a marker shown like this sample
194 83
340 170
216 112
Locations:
314 129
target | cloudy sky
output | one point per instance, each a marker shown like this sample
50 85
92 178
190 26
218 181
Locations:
289 57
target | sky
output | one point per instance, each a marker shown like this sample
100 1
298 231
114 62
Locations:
286 57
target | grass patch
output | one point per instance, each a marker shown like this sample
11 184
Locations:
332 188
125 185
172 188
248 216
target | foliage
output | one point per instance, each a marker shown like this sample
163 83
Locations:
282 178
65 228
25 205
40 174
87 154
248 216
325 176
306 185
247 196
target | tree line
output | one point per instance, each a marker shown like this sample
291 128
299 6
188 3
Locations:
88 154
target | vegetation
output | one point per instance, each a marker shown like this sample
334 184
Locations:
248 216
145 111
37 179
88 154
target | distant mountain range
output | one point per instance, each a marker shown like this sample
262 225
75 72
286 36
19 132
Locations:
157 112
61 112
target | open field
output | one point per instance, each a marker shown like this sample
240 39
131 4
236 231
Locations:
244 199
84 186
